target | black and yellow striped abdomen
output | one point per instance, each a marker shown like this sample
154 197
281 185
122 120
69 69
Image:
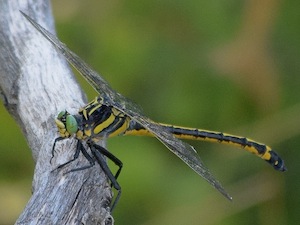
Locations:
259 149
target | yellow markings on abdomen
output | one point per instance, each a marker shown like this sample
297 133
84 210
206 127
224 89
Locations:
259 149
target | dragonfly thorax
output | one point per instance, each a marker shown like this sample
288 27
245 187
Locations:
97 121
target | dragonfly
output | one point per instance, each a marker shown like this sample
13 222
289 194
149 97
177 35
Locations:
111 114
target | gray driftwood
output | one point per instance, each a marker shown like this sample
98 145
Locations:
36 83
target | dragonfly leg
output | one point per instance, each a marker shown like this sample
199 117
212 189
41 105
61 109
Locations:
98 154
113 158
53 147
79 148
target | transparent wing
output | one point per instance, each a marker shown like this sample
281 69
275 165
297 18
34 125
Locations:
183 150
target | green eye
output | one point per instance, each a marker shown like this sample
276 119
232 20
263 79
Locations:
61 114
71 124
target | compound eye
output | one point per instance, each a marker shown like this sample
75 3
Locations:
71 124
61 115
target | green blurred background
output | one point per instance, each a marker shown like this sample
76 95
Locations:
227 65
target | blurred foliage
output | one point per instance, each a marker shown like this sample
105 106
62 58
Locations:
222 65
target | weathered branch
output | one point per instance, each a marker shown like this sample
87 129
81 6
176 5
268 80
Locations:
36 83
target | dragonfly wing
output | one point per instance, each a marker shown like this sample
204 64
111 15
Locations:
184 151
98 83
112 98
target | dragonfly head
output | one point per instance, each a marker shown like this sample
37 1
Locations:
67 124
